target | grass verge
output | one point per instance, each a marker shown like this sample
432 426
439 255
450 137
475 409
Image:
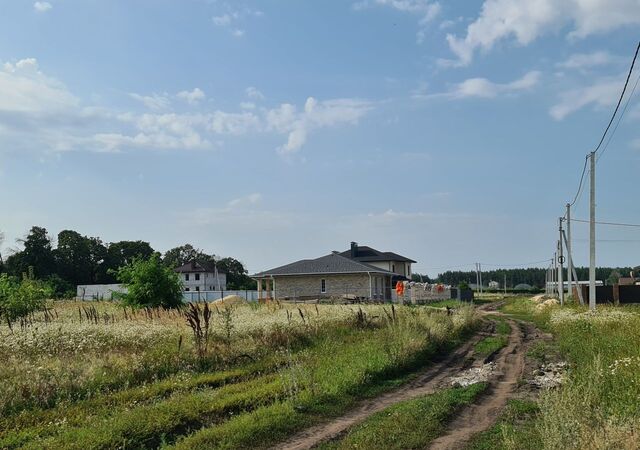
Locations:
408 425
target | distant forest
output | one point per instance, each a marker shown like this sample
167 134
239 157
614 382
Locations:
532 276
77 259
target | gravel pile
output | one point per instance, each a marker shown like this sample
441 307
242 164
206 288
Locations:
473 375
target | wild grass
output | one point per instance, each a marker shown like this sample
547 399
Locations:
145 379
408 425
598 406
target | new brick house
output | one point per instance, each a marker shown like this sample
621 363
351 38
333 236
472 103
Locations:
360 272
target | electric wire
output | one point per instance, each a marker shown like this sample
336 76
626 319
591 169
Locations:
634 225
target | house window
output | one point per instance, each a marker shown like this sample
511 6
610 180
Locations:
393 268
197 276
186 277
323 286
197 288
186 289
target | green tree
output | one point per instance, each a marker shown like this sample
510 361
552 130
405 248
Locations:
37 254
178 256
237 275
614 277
73 258
150 283
122 253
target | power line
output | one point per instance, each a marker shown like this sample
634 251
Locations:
516 265
634 225
626 105
584 170
624 89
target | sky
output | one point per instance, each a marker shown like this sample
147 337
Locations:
449 132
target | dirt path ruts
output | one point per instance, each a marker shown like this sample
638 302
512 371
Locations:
483 414
426 383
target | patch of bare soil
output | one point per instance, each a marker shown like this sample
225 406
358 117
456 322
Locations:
509 366
426 382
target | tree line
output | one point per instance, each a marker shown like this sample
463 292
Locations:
532 276
78 259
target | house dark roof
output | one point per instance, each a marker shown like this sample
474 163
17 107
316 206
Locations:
364 253
329 264
197 266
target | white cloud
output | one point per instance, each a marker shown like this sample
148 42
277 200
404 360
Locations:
24 88
250 199
253 93
605 92
484 88
247 105
191 97
237 32
42 7
155 102
222 21
527 20
587 60
39 112
427 10
316 115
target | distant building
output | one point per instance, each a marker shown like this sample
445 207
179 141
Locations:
494 285
197 276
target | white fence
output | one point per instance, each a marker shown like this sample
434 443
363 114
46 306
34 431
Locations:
89 292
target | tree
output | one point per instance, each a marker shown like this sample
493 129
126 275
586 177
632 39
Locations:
614 277
237 277
37 254
178 256
120 254
150 283
73 258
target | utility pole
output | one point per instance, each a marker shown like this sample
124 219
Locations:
480 271
592 234
560 265
477 279
569 255
505 283
573 269
554 273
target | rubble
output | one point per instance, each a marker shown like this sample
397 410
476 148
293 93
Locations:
473 375
549 375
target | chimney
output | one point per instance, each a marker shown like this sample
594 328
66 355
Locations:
354 249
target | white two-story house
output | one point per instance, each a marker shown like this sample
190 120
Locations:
197 276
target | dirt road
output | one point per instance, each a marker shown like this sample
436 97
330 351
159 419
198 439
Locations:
509 364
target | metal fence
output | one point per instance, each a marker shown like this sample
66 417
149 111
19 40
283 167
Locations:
209 296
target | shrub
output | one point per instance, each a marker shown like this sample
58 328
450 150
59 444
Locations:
18 299
149 283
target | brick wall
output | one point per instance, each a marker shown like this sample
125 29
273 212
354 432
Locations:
309 286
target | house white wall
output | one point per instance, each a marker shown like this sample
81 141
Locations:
399 267
203 281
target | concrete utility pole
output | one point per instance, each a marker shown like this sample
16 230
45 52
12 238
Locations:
569 255
592 234
480 271
560 265
573 269
477 278
554 273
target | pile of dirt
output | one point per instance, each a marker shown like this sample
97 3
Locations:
473 375
230 300
547 303
549 375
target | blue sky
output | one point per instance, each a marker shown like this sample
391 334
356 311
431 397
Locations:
451 132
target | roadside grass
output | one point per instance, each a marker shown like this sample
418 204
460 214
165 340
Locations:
598 405
308 368
514 429
408 425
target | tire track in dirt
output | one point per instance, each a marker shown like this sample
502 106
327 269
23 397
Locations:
484 413
427 382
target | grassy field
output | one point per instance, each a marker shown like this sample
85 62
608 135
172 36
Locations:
598 406
92 375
